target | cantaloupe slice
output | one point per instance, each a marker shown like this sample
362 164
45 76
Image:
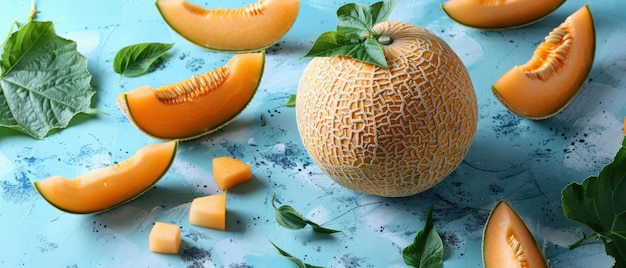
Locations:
228 172
497 15
249 28
164 238
507 242
197 106
554 75
107 187
209 211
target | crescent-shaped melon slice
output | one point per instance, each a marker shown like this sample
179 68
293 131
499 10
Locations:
499 14
249 28
108 187
507 242
196 106
554 75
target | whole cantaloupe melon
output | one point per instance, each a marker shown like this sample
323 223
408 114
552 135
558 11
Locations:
393 131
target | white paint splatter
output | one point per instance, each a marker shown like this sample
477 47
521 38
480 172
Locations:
94 161
6 166
318 215
86 41
191 174
279 148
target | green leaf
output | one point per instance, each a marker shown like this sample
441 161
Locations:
293 259
319 229
381 10
355 18
427 248
135 60
288 217
354 36
291 102
600 204
44 81
339 44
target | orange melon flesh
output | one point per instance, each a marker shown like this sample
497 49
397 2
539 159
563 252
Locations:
164 238
554 75
209 211
489 14
249 28
507 242
228 172
198 105
107 187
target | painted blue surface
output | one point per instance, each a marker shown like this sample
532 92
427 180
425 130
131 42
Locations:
525 162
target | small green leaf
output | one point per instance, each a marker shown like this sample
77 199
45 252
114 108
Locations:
44 81
355 18
600 204
289 218
319 229
136 60
293 259
339 44
354 36
381 10
291 102
427 248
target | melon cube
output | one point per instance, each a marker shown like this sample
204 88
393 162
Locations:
164 238
209 211
228 172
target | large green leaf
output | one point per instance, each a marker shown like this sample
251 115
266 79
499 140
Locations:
44 81
600 204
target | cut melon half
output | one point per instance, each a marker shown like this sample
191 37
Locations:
499 14
507 242
108 187
249 28
196 106
554 75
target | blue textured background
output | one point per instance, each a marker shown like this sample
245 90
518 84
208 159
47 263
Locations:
525 162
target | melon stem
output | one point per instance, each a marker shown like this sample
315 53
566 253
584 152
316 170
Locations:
384 40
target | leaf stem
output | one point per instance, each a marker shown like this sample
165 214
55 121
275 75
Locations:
580 242
33 11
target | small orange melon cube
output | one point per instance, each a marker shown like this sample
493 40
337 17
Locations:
164 238
228 172
209 211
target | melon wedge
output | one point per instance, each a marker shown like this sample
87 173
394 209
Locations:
108 187
196 106
507 242
249 28
498 15
552 78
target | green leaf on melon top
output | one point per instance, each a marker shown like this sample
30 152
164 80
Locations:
44 81
354 36
600 204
